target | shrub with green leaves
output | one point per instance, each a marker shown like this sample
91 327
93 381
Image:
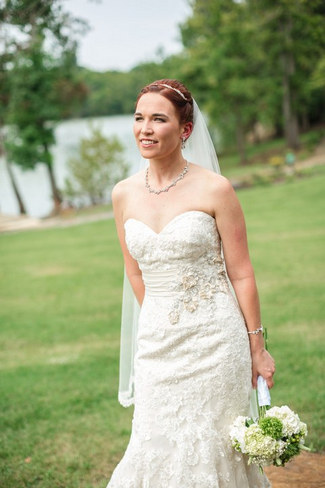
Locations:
97 167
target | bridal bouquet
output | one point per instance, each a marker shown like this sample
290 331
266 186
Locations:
274 437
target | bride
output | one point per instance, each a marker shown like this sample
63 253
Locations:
190 359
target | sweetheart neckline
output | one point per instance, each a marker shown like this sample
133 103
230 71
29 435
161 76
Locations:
170 222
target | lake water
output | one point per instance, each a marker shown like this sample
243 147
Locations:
34 184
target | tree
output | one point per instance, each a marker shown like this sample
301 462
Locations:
98 166
292 34
252 60
114 92
36 101
43 88
223 63
5 59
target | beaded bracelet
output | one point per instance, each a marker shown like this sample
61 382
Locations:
260 329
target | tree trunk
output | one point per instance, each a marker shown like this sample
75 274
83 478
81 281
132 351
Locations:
240 137
56 194
22 209
290 117
305 121
256 135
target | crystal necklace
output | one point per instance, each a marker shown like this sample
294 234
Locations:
166 188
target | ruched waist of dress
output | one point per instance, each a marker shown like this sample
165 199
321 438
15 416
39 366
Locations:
160 283
189 285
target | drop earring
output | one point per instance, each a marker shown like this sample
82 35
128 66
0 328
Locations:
183 142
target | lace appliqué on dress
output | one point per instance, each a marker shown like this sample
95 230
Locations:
195 285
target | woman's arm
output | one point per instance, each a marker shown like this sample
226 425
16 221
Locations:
232 229
131 266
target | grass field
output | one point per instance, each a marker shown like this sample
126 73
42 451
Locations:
61 424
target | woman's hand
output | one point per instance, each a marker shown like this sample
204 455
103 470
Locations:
262 365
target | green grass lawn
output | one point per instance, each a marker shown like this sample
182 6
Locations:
60 297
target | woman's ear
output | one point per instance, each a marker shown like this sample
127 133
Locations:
187 130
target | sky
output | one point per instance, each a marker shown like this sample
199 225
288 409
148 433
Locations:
126 32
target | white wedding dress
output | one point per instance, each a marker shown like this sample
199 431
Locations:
192 366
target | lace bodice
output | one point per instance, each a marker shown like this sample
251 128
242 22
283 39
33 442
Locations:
192 261
176 244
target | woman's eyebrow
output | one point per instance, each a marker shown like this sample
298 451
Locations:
154 115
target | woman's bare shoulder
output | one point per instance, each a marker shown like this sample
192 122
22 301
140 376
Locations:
212 180
123 187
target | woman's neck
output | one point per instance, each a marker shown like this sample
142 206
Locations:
162 170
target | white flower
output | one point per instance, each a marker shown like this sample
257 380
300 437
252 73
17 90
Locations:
303 429
262 449
237 432
290 420
280 448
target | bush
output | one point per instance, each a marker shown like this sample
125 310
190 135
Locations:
97 168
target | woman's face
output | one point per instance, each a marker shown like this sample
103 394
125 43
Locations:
156 128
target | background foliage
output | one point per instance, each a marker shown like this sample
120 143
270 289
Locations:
249 63
246 62
98 166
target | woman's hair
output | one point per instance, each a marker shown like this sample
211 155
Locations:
176 93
